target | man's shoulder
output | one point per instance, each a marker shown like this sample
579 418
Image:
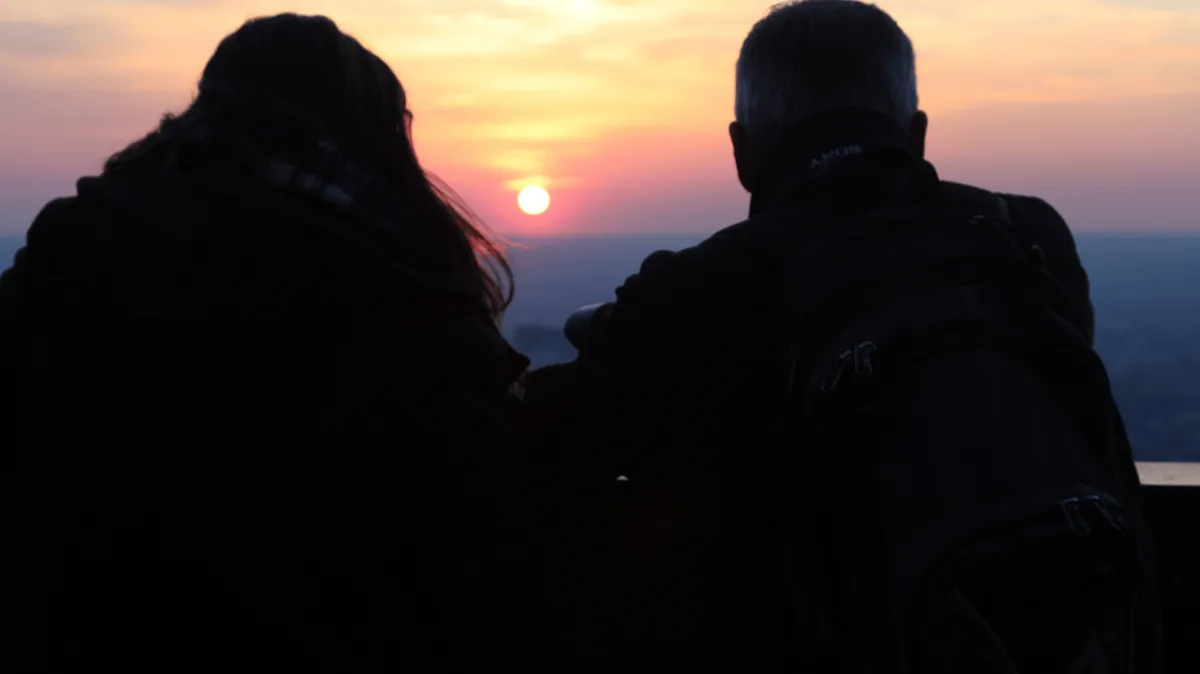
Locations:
1040 224
1034 217
1021 207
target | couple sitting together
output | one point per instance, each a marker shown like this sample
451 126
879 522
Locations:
260 412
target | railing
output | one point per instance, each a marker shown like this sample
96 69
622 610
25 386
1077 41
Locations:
1171 496
1169 473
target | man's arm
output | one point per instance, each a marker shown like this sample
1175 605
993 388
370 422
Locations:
655 359
579 412
650 323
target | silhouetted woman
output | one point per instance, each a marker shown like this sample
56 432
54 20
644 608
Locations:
262 389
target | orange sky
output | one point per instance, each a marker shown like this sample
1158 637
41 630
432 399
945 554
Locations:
619 107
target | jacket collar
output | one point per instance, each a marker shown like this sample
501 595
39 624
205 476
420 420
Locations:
837 154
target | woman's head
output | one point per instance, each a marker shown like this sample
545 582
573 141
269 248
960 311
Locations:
324 81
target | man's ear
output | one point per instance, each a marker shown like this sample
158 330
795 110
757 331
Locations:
918 126
743 155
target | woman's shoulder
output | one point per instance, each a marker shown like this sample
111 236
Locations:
62 231
96 212
55 217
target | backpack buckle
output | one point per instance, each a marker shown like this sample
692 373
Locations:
1078 523
1077 510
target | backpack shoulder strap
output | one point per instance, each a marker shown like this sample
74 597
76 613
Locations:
994 208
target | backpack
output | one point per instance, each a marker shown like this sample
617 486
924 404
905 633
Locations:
966 496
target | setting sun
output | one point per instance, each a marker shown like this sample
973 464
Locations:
534 200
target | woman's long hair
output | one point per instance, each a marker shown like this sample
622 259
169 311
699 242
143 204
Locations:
300 79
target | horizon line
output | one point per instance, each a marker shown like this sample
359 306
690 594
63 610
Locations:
515 238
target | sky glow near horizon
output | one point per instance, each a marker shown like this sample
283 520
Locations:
619 108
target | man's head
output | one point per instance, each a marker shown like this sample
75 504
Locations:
814 56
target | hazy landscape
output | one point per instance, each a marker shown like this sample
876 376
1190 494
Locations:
1146 290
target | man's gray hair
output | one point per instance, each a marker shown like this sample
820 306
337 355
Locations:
810 56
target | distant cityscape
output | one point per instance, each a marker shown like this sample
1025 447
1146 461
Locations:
1146 291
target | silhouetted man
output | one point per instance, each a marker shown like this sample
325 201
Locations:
807 394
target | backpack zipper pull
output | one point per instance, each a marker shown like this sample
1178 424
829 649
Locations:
843 363
862 358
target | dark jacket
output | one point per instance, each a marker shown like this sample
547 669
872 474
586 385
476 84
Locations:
675 384
708 315
243 439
